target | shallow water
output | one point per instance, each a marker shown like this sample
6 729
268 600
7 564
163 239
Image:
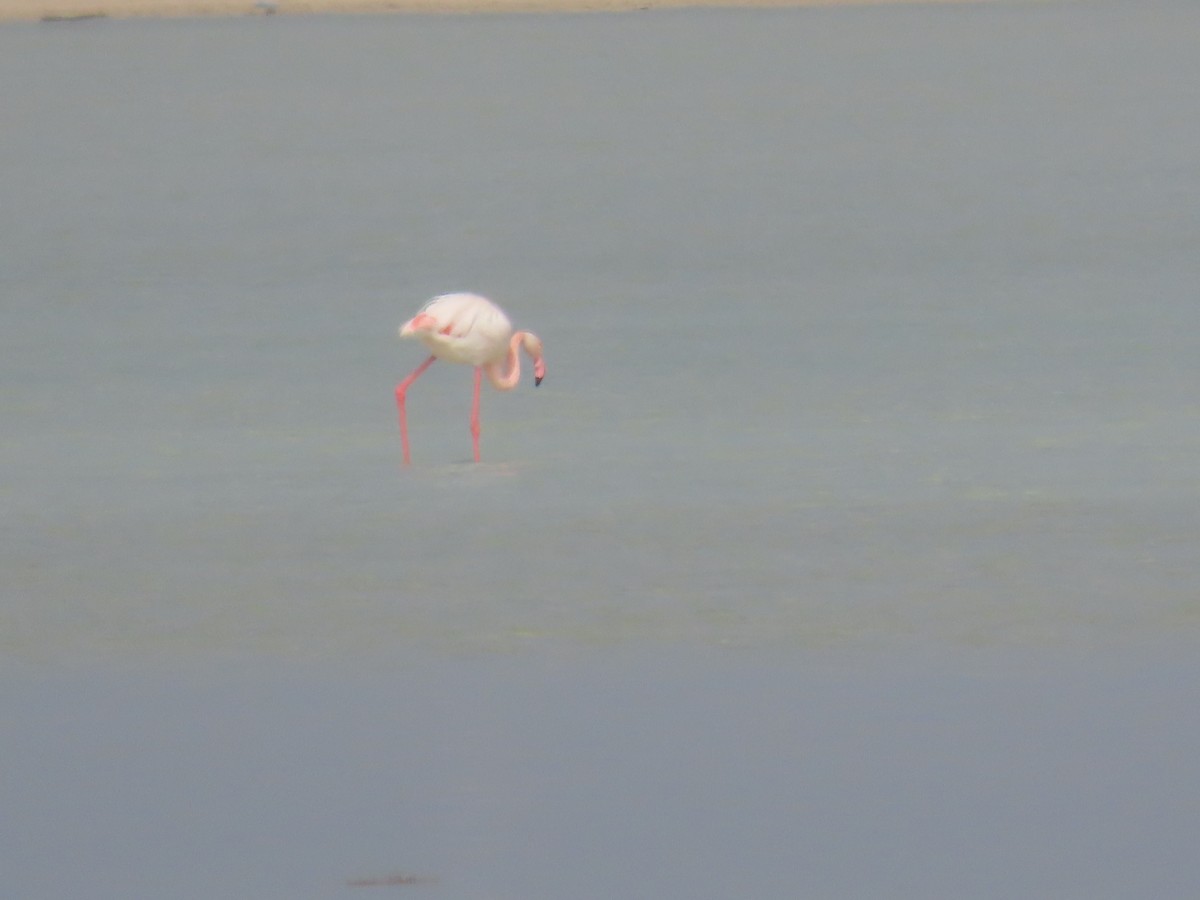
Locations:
610 772
871 394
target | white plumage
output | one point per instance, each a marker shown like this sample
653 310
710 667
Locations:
471 329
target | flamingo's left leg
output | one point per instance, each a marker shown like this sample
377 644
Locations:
401 391
475 411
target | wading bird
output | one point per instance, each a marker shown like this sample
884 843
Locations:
467 328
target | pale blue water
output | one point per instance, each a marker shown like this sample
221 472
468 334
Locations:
847 550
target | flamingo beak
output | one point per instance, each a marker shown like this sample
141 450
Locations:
539 371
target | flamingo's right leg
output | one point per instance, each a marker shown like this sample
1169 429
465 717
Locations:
475 412
401 390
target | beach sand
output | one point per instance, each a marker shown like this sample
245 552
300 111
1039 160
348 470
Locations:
68 10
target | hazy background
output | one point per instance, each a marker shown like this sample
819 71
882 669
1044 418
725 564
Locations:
848 548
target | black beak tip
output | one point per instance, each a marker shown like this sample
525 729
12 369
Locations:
537 381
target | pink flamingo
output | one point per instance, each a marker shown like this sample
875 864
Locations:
467 328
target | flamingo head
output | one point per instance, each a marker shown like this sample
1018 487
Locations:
533 346
419 323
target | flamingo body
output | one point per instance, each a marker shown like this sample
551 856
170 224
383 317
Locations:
469 329
466 328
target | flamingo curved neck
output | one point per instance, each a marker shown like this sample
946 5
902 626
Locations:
506 380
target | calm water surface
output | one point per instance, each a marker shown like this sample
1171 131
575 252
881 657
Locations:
848 549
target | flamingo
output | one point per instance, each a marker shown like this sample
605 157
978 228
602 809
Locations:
468 328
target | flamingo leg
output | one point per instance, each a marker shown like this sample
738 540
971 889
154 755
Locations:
401 390
475 412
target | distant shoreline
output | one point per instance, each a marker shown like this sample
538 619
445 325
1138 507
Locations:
75 10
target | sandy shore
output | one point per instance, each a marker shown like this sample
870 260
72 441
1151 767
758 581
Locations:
67 10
